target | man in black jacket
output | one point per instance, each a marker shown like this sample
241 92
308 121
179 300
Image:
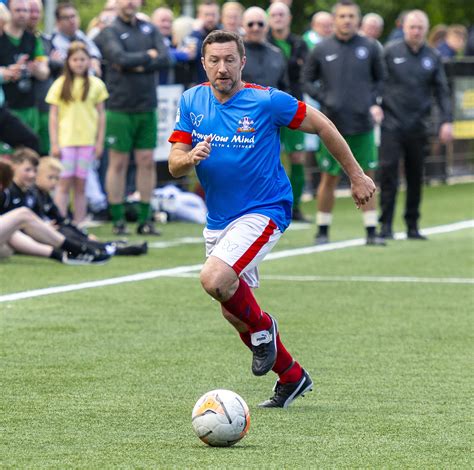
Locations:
133 51
344 73
265 63
295 50
415 73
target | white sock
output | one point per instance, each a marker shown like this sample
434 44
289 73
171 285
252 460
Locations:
370 218
323 218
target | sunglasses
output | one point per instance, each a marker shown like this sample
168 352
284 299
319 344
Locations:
251 24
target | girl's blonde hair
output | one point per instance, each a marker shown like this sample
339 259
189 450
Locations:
66 92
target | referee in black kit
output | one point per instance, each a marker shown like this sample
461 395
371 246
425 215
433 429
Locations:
414 73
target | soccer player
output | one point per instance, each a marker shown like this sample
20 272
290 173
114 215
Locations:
229 130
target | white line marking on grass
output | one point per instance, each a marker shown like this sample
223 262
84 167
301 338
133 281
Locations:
177 242
186 269
411 279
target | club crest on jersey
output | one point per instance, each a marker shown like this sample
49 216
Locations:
196 120
362 53
427 63
246 125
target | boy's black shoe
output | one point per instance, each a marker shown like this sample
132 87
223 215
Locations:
285 394
264 349
87 257
148 228
131 250
120 228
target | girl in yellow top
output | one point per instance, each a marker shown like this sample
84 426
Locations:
76 126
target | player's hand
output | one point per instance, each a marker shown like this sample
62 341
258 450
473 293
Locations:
201 151
377 113
363 188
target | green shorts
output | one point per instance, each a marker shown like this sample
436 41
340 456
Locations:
43 133
129 131
362 146
292 140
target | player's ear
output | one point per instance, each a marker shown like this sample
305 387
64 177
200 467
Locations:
202 62
244 60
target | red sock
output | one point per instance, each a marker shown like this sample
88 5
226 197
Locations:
245 337
287 369
244 306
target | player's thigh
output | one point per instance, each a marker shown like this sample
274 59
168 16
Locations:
292 140
364 149
120 129
144 130
326 162
243 244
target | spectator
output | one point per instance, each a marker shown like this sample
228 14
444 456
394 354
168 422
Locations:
415 72
397 32
454 43
232 16
76 126
41 87
23 231
134 51
322 26
208 20
437 35
372 26
265 63
105 18
23 55
67 31
163 19
181 39
350 70
294 49
12 131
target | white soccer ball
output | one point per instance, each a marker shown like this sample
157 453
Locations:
221 418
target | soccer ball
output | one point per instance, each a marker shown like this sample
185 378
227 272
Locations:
221 418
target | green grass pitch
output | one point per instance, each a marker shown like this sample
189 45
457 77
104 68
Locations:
107 377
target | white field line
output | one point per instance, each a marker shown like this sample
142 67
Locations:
390 279
192 268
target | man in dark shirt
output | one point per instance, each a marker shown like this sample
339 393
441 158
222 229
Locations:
415 72
344 73
133 51
265 64
295 50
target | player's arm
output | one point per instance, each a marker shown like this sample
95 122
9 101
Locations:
317 123
183 157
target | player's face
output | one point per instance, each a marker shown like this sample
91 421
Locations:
25 175
223 67
47 179
415 29
346 21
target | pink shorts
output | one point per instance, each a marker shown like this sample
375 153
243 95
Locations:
77 161
243 244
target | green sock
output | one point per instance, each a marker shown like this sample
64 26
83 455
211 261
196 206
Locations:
297 182
143 212
117 212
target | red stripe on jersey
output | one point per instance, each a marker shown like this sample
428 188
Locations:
181 137
254 248
299 116
254 85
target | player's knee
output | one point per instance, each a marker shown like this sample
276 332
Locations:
214 284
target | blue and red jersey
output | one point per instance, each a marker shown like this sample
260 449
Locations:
243 173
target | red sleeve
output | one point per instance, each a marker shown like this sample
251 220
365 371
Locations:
299 116
181 136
